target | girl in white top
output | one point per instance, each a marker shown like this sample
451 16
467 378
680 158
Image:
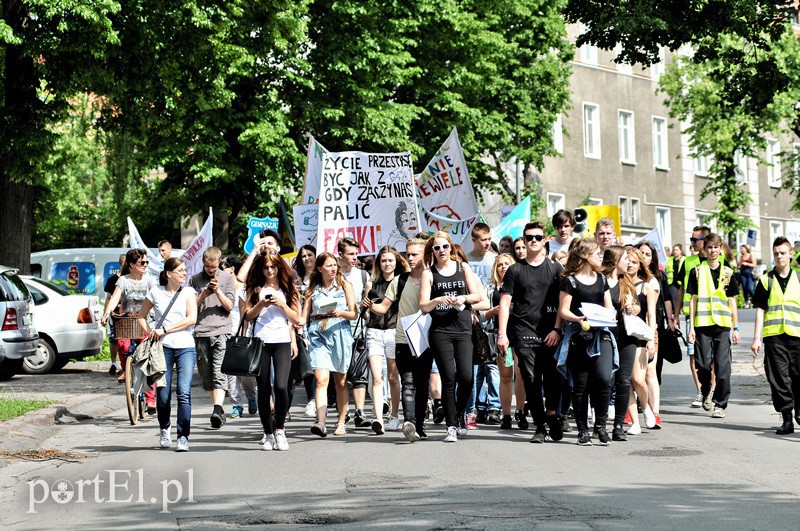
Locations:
272 301
175 334
236 384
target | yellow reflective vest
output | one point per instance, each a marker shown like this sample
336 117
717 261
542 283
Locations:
783 309
672 266
712 303
690 263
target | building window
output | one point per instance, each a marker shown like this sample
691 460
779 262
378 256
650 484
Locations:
588 53
705 220
660 146
591 130
664 226
740 167
630 210
622 67
594 201
657 68
636 212
796 160
774 163
775 230
627 137
555 202
558 135
701 165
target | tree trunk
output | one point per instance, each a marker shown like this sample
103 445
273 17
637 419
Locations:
18 118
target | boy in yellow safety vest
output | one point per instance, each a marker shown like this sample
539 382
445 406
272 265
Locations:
777 302
712 315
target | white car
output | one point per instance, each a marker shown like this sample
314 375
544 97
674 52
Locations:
68 325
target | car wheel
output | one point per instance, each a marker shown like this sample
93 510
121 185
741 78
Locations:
60 364
42 362
9 368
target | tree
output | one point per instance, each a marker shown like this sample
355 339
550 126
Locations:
48 48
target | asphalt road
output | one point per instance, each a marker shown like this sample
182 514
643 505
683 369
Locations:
697 472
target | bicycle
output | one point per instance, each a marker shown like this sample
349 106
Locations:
127 327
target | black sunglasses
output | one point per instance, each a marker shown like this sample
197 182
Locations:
696 239
143 262
437 248
531 237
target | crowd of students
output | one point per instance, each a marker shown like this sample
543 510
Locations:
541 354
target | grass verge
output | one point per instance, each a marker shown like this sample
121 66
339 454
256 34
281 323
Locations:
12 407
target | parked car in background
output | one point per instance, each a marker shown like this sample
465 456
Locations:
18 337
68 325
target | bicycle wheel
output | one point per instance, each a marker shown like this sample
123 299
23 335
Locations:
131 400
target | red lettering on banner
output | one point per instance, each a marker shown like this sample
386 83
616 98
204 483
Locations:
191 251
367 238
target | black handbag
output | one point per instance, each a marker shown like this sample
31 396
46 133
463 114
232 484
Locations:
359 361
669 348
481 348
242 354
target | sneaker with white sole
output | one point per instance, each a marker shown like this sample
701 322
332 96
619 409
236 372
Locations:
410 432
452 434
462 428
269 442
708 402
649 418
718 413
394 424
698 400
183 445
635 429
311 409
377 426
165 441
281 444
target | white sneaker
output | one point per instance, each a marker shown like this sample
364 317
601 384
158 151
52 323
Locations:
269 442
698 400
718 413
394 424
649 418
311 409
263 439
635 429
410 432
281 443
165 441
452 434
183 445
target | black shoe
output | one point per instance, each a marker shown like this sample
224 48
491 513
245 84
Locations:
540 435
385 408
217 417
481 417
359 419
554 423
584 439
421 433
602 436
786 428
438 414
505 422
494 417
522 420
112 371
565 426
618 434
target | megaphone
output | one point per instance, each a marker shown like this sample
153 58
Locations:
580 217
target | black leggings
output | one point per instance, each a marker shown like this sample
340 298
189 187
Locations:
415 377
453 353
591 375
277 356
622 378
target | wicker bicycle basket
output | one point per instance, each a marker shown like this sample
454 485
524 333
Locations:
127 328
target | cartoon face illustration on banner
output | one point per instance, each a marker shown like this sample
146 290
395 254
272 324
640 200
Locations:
406 226
443 211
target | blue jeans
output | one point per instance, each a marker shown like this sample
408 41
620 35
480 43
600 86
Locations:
485 397
184 359
748 284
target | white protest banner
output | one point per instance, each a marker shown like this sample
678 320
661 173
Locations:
135 242
655 238
792 232
305 224
368 197
193 256
447 200
313 176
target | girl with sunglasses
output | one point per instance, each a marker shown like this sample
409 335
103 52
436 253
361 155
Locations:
447 291
274 304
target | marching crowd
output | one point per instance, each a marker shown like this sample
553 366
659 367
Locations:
507 330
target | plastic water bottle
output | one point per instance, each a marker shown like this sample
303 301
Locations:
509 357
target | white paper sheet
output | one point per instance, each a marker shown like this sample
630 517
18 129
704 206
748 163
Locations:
416 328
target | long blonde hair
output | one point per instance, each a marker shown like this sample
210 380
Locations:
611 258
495 275
430 258
643 273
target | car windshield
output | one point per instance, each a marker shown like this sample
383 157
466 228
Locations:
12 288
49 285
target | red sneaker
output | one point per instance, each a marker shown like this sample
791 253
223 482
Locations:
471 422
628 419
658 422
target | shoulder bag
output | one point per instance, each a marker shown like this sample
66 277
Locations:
242 354
359 361
481 349
149 355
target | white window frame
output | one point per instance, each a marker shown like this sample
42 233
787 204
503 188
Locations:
593 151
657 69
702 219
773 156
594 201
701 165
622 68
664 225
587 52
624 209
554 206
663 143
740 163
558 134
795 159
775 230
636 211
627 132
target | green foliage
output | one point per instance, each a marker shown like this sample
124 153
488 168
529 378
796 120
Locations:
14 406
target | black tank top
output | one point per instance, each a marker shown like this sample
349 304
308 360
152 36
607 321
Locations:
642 298
388 321
445 318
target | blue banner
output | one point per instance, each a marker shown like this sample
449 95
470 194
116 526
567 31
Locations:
514 223
256 225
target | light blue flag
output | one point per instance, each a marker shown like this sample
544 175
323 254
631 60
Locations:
514 223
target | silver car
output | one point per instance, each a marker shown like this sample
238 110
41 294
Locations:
18 337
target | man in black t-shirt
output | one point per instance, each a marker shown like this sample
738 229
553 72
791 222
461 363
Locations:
529 322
